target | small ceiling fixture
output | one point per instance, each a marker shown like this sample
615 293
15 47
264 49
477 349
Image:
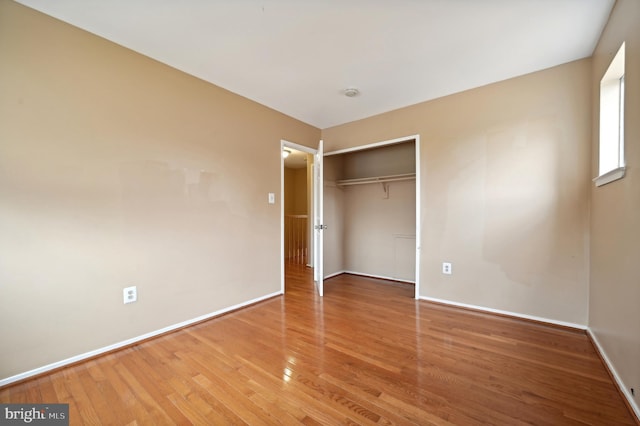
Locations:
285 153
351 92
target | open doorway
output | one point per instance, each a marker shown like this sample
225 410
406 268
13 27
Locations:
298 216
297 206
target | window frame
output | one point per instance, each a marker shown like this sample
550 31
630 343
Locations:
611 118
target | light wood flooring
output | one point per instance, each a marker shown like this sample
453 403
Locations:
366 353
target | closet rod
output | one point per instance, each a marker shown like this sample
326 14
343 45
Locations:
376 179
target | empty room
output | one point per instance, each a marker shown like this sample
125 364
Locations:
453 237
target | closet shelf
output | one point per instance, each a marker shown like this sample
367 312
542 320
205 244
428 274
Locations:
376 179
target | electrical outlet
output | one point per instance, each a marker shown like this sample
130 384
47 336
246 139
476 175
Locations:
130 295
446 268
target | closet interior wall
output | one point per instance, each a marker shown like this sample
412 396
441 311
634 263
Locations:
370 207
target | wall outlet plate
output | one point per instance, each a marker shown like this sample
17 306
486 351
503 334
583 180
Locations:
130 294
446 268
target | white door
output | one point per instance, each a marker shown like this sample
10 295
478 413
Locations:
318 189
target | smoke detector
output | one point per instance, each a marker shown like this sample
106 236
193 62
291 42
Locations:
351 92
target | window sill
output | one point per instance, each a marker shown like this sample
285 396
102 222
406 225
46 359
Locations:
610 176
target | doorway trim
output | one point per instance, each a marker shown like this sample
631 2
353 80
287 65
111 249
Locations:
287 144
415 138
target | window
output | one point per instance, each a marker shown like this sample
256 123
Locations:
611 159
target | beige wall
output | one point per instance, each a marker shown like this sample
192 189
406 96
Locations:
116 170
504 189
387 160
377 230
295 190
615 211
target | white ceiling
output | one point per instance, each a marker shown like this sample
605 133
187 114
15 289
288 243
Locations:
297 56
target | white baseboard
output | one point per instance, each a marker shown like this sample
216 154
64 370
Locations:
614 373
508 313
335 274
382 277
124 343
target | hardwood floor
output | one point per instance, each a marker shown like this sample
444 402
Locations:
367 353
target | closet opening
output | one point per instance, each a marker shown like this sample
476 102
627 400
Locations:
371 199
